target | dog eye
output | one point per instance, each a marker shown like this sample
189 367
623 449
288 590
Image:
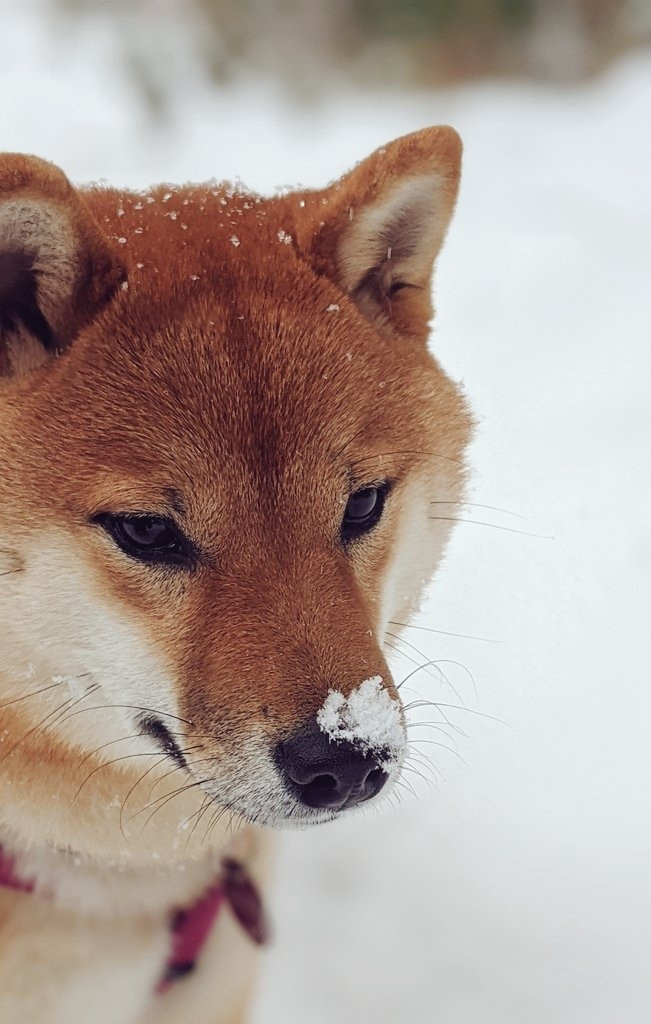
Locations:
363 511
149 538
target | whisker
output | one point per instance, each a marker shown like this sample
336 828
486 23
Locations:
420 668
161 778
407 784
494 526
135 707
433 662
204 760
438 726
44 689
164 803
394 647
431 455
237 819
161 801
198 815
442 676
421 702
456 707
33 693
151 768
402 653
59 711
459 664
492 508
402 788
63 717
12 558
444 746
406 643
103 746
425 763
180 767
473 711
107 764
447 661
212 824
394 798
414 771
435 743
445 632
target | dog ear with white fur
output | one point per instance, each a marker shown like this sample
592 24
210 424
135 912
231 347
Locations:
378 230
57 270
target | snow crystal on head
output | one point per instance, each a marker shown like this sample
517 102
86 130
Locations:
369 718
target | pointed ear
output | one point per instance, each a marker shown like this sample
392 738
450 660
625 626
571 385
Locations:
56 268
378 230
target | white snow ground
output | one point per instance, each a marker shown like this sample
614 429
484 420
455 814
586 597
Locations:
519 891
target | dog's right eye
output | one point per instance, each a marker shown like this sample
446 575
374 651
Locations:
149 538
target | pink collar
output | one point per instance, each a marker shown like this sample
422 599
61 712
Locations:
190 927
8 877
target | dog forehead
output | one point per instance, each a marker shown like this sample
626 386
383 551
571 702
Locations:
252 379
253 348
227 336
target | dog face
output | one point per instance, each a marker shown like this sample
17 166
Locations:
222 435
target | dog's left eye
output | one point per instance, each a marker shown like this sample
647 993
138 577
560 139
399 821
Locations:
363 511
149 538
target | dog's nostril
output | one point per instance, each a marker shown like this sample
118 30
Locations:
327 774
322 791
375 780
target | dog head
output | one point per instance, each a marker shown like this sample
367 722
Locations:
221 437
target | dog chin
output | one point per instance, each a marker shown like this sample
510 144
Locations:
272 810
278 809
299 819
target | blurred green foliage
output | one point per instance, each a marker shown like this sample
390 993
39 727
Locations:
408 18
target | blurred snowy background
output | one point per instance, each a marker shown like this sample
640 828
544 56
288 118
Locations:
517 889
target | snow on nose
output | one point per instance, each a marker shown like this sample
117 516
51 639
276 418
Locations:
369 718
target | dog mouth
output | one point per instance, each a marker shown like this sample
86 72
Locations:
304 781
271 798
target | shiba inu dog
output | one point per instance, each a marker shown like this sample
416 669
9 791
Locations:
221 433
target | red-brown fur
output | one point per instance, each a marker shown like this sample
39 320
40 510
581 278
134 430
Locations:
228 362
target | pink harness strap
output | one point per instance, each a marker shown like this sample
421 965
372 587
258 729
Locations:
8 877
192 926
190 931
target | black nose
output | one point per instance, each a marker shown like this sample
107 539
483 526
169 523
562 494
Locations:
327 774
